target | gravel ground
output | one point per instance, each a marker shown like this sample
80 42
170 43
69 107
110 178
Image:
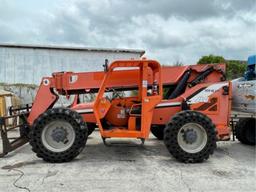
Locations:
126 167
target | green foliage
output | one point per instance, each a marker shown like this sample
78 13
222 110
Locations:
165 91
134 93
234 69
211 59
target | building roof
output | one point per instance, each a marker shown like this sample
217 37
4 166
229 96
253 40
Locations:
73 48
4 93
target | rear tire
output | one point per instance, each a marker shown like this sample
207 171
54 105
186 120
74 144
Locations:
190 137
58 135
158 131
245 131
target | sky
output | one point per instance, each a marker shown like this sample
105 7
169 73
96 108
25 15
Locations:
170 31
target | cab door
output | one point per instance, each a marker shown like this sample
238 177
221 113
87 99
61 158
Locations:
149 95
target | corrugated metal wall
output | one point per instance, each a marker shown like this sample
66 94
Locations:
28 65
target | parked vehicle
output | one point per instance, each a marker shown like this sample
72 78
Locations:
194 110
244 104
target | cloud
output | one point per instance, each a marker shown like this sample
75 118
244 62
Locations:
169 30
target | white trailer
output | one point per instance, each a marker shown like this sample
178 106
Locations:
244 105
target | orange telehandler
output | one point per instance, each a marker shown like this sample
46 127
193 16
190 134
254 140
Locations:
186 106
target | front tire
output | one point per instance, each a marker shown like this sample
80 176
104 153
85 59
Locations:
58 135
190 137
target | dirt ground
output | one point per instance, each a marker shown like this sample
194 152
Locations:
125 167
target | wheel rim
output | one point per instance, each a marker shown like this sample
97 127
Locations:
192 137
58 136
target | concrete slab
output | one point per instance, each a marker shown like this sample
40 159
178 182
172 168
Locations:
126 168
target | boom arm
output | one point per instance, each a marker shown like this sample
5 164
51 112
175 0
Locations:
45 99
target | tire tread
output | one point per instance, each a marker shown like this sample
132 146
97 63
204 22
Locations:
173 127
80 129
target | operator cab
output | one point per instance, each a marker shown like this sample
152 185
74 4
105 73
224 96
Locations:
128 114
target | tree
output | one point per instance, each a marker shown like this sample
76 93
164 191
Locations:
211 59
234 69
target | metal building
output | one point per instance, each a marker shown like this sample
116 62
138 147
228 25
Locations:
29 63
